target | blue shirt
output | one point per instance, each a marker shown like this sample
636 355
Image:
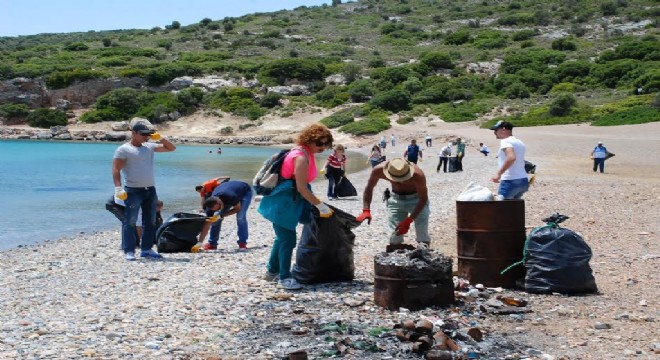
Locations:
231 192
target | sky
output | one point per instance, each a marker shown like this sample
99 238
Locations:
31 17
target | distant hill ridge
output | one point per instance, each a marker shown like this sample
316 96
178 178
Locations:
551 63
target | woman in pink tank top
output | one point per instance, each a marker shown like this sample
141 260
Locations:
299 165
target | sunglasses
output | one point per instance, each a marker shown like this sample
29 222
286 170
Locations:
322 143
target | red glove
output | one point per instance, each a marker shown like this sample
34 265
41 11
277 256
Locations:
404 226
366 215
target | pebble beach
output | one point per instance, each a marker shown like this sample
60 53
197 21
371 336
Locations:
78 298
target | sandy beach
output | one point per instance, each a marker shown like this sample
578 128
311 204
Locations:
78 298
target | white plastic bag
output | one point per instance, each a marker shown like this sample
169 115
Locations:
474 192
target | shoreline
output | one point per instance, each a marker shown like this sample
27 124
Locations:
78 297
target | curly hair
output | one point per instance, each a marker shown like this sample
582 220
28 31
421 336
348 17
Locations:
313 133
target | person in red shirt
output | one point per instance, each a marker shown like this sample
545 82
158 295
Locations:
206 189
334 168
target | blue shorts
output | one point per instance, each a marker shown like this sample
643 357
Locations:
513 189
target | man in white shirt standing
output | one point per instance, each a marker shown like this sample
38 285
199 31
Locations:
511 161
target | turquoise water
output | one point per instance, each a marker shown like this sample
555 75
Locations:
49 190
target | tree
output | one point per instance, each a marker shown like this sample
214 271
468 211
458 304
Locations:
205 22
175 25
336 2
393 100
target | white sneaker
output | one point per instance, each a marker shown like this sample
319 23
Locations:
130 256
289 284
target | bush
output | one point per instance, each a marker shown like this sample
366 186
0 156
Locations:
464 111
436 60
160 104
338 119
167 72
95 116
393 100
533 58
564 87
270 100
636 115
77 46
564 44
332 96
280 71
458 38
45 118
14 111
374 123
361 90
562 105
125 101
490 39
523 35
649 82
572 70
614 73
62 79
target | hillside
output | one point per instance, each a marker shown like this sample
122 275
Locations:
555 62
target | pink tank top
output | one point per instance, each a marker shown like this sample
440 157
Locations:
289 164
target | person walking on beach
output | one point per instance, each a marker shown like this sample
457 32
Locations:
135 161
429 141
206 189
460 153
375 156
392 139
291 200
484 149
413 152
444 155
334 168
599 154
511 162
383 143
228 198
408 201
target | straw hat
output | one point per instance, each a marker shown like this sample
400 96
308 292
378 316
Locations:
398 170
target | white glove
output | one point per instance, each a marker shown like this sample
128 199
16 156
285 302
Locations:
120 193
324 210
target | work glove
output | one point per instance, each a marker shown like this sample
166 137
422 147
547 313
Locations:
366 215
404 226
216 216
120 193
196 248
324 210
155 136
322 172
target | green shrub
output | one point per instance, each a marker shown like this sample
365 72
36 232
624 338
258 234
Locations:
533 58
115 61
125 101
572 70
14 111
393 100
562 105
190 98
403 120
517 19
338 119
564 87
95 116
280 71
45 118
374 123
361 90
636 115
490 39
517 90
523 35
164 43
270 100
332 96
459 112
164 73
238 101
436 60
564 44
649 82
77 46
62 79
458 38
617 72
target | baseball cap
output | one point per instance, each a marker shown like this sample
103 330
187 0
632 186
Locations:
143 128
600 143
502 124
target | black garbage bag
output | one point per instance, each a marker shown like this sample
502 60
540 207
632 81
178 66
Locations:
529 167
557 260
325 250
345 188
179 232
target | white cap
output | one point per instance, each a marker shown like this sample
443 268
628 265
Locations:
600 143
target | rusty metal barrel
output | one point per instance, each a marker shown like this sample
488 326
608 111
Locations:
490 237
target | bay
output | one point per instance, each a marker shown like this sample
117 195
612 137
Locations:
49 189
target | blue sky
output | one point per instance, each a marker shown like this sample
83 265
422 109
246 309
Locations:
30 17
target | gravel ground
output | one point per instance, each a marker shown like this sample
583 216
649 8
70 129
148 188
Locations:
78 298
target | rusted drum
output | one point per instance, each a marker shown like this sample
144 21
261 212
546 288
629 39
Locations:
398 286
490 237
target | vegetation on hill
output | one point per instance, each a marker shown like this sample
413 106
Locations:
549 62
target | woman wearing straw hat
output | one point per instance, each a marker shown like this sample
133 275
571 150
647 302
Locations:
408 201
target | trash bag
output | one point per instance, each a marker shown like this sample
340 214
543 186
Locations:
557 260
325 250
345 188
453 164
475 192
179 232
529 167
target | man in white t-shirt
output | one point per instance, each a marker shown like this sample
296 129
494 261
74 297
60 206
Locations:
511 162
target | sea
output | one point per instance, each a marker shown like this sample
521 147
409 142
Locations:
50 189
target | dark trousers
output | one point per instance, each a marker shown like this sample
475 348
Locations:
459 162
600 164
443 163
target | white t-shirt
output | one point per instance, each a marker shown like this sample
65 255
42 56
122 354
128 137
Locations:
517 170
138 170
484 148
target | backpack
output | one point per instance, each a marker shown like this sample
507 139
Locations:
268 176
